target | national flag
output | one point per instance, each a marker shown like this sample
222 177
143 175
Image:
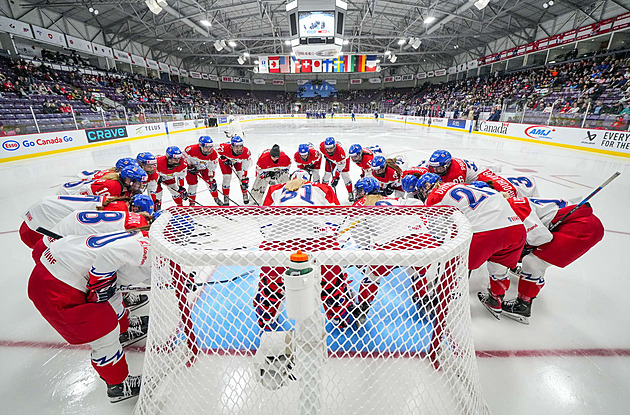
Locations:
327 65
339 64
263 64
351 61
317 65
306 65
296 66
361 63
274 64
370 63
285 64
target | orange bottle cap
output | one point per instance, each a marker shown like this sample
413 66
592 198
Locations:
299 256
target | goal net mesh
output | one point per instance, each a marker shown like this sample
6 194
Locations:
390 329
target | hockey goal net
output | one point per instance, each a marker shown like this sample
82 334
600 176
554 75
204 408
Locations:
221 342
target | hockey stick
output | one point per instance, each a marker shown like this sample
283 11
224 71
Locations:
586 199
198 174
191 285
48 233
241 181
333 169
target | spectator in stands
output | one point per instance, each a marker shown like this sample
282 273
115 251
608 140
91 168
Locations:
495 115
619 124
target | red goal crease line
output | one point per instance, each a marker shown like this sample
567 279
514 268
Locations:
596 352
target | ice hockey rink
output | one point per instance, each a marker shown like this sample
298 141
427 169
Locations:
573 358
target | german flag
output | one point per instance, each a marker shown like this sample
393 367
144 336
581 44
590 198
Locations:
360 65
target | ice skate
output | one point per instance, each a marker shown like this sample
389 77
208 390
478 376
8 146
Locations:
492 303
133 301
129 388
138 328
245 199
517 309
218 201
226 200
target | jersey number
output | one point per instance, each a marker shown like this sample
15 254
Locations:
96 217
460 192
306 194
70 185
521 181
541 202
101 241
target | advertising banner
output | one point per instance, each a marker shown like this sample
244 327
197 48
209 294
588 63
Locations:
103 134
19 145
79 44
16 27
49 36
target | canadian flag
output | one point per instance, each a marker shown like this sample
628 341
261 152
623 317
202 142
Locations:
274 64
306 65
316 65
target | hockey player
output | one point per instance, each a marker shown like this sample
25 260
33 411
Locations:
97 174
87 222
571 239
234 157
337 164
388 174
362 158
126 183
301 192
202 161
171 169
93 313
272 168
463 171
148 163
49 211
309 159
498 234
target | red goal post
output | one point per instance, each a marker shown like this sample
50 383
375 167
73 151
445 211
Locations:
414 352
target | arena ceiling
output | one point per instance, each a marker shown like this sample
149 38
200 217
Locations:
260 27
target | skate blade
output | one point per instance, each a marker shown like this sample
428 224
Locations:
122 398
495 314
517 317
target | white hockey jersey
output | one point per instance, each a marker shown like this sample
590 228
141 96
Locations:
76 187
537 215
72 258
525 185
52 209
485 209
90 222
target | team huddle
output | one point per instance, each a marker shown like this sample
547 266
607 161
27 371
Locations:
96 234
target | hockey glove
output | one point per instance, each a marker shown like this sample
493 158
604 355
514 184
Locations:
101 287
182 192
245 183
192 170
387 190
335 182
213 185
157 205
528 249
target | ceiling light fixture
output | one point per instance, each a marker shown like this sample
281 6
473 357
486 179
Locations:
401 42
416 43
393 59
287 42
218 46
205 23
156 6
481 4
232 43
240 60
429 20
388 52
246 54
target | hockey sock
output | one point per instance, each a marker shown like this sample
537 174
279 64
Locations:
349 188
192 199
178 201
334 289
269 296
123 321
529 286
226 191
108 358
499 285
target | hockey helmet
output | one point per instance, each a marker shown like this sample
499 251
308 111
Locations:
378 163
143 202
367 186
426 183
124 162
174 152
439 162
409 183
